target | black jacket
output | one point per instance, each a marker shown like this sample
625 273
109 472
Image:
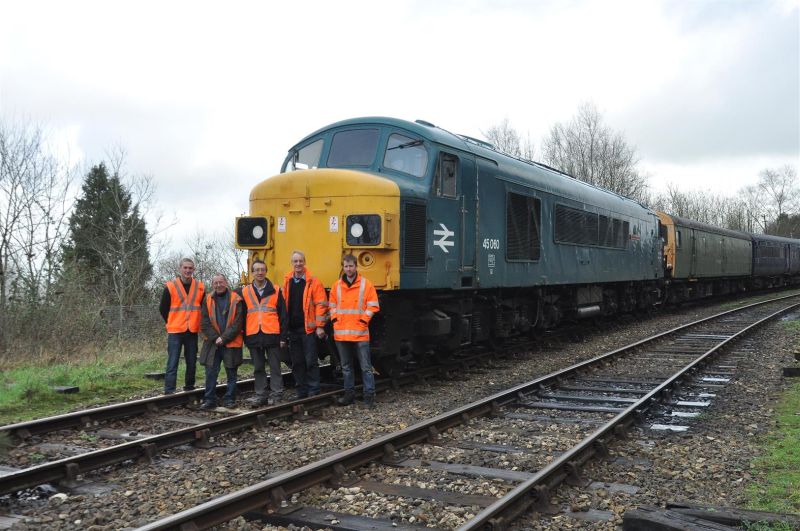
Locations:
260 339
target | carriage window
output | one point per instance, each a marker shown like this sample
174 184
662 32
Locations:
356 147
307 156
678 239
444 182
523 216
406 155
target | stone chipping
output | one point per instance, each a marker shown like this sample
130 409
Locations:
710 463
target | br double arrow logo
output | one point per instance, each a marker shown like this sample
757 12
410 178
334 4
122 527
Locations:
444 242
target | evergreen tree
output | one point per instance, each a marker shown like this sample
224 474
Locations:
108 241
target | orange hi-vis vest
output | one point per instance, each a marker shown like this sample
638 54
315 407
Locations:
184 309
261 316
353 307
211 306
315 302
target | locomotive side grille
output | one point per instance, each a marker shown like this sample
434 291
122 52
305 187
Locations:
414 224
523 214
576 226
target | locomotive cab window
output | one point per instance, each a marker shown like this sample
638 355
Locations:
355 147
444 180
306 157
406 154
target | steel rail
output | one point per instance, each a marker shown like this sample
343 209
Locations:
130 408
275 491
538 488
68 468
87 417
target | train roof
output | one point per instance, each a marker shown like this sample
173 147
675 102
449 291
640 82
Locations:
770 238
686 222
522 168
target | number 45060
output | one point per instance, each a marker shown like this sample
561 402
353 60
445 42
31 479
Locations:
491 243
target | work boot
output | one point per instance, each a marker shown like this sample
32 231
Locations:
229 404
369 401
208 405
258 401
347 398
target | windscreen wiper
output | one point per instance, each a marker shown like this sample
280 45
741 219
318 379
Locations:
407 144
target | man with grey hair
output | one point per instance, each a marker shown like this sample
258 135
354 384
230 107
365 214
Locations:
180 308
222 329
307 308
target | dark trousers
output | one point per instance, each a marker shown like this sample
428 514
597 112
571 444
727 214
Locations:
212 371
188 341
305 363
260 356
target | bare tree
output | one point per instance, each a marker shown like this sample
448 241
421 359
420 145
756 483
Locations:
211 252
590 151
703 206
780 190
216 253
507 140
754 205
34 204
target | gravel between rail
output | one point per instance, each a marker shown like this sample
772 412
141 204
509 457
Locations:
708 464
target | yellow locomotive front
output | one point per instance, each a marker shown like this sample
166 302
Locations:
326 214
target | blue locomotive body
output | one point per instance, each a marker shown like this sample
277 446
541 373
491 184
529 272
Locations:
486 246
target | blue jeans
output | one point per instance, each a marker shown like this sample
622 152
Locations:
188 341
212 371
347 351
305 363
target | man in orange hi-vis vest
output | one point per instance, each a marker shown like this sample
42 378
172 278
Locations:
221 326
265 333
307 306
180 308
353 301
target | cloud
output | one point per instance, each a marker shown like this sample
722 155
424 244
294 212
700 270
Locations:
735 91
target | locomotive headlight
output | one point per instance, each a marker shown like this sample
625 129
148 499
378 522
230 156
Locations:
251 232
356 230
363 229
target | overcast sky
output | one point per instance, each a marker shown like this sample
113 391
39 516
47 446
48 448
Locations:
207 97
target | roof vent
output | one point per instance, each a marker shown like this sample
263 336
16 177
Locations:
423 122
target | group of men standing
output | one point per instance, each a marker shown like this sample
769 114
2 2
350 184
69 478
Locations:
267 319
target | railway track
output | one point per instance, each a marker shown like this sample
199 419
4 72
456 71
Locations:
202 427
543 431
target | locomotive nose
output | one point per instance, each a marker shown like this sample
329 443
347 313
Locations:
327 213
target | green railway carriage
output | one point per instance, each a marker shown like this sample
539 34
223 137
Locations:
701 259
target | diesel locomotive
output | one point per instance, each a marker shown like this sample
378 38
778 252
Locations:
468 245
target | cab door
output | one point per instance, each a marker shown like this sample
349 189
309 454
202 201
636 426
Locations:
451 226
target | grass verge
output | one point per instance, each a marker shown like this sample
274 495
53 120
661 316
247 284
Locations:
778 469
26 391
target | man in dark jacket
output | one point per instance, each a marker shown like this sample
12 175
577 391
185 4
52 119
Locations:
222 321
265 333
180 308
